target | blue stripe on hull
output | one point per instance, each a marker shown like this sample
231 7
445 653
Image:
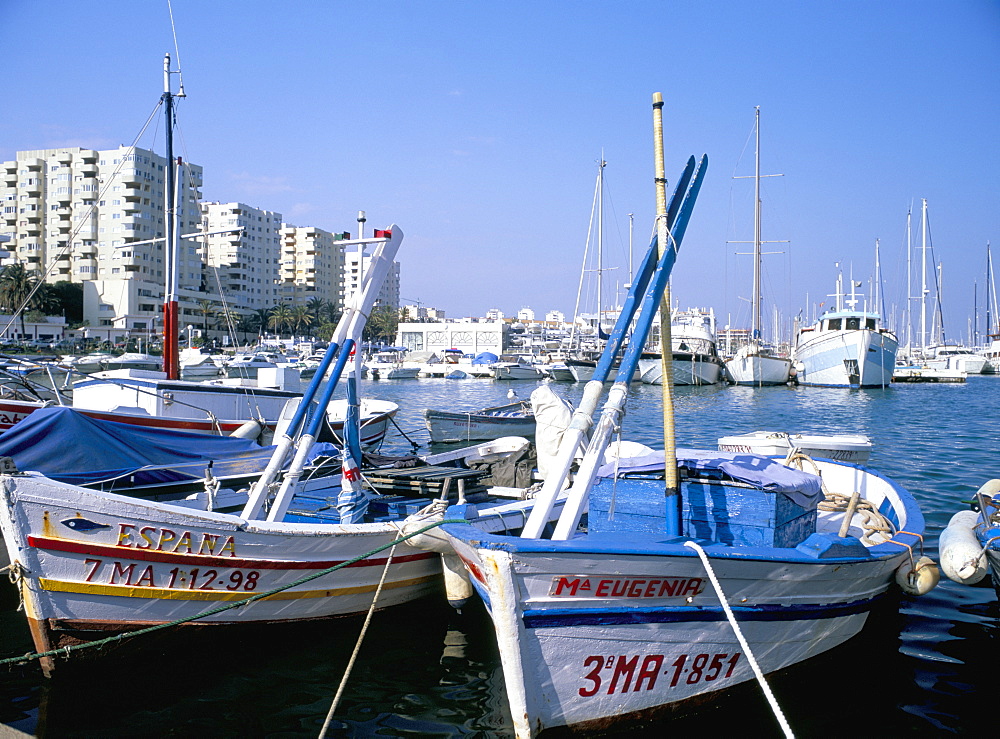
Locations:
537 619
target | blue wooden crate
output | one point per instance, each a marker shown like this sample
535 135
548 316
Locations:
725 513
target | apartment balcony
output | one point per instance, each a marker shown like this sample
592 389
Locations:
64 157
132 195
88 184
9 179
34 164
131 177
62 197
89 170
31 188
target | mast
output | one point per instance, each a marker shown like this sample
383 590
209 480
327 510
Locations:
909 285
171 353
923 275
755 317
600 240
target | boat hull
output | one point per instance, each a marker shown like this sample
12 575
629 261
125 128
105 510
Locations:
448 426
687 369
858 358
758 369
98 562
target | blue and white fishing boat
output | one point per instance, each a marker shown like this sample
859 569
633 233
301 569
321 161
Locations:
692 571
846 347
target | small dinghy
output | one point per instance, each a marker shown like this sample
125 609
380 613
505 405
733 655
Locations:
844 447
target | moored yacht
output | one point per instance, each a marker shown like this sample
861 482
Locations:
845 348
695 360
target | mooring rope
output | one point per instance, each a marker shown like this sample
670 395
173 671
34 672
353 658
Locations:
357 648
742 640
65 651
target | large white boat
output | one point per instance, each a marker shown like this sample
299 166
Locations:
756 363
695 359
845 348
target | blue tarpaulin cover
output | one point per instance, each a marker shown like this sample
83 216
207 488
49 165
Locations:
65 445
763 473
485 358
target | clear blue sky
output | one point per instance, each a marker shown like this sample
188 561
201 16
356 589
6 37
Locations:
477 126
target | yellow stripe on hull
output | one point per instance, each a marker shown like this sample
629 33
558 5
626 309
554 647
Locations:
128 591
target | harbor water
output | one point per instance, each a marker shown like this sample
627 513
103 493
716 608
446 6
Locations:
922 667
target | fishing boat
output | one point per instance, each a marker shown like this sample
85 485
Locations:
856 448
969 546
695 360
695 571
846 347
510 419
756 363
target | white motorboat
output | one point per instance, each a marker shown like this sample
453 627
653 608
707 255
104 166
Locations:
390 366
695 360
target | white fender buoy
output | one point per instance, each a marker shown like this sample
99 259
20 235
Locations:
920 579
457 585
249 430
961 554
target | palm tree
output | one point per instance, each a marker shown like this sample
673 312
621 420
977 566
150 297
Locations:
281 315
316 307
207 310
16 286
300 318
261 319
381 325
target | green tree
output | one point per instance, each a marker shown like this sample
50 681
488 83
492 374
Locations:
17 291
281 315
381 325
300 319
207 310
261 319
317 309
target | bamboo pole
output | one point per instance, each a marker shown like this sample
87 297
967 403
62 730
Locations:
666 351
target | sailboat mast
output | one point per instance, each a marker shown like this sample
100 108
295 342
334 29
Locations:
600 241
909 284
171 353
923 275
755 318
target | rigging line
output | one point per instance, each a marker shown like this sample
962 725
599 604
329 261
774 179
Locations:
68 245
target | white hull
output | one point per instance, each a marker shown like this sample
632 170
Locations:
687 369
515 372
853 448
971 364
94 562
847 358
758 369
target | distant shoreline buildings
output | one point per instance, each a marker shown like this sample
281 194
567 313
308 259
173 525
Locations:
95 217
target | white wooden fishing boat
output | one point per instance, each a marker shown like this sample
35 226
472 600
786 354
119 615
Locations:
845 348
510 419
854 448
693 572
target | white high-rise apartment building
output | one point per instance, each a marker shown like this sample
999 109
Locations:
96 217
242 265
312 266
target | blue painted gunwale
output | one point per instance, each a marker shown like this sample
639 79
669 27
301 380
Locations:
659 546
